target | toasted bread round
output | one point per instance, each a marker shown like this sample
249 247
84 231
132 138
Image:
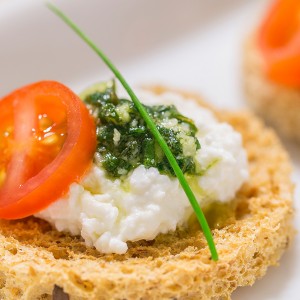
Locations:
277 104
35 258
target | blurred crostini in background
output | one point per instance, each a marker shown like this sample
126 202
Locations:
271 66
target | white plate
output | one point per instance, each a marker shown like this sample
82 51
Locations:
191 44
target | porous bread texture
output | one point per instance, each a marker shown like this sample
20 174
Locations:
277 104
35 257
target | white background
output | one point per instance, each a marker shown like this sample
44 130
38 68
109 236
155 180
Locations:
194 45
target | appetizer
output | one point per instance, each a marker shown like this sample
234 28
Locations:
272 68
139 238
97 195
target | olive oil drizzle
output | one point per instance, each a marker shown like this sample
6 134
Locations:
152 127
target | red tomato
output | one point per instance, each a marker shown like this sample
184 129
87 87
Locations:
279 41
47 142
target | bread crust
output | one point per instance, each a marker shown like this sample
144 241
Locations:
277 104
34 257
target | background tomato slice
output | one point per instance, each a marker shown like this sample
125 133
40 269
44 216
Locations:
279 41
47 142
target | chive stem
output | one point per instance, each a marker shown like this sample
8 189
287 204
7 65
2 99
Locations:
152 127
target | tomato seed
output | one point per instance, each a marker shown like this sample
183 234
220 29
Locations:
2 176
44 122
50 139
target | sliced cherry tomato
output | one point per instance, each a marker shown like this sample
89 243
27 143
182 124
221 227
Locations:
47 142
279 41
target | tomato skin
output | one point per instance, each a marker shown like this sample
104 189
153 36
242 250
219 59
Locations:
279 42
71 163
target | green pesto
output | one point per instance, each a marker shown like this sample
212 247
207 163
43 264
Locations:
125 142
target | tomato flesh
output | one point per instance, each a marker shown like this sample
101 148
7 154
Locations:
47 142
279 42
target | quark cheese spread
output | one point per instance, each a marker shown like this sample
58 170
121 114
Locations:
109 212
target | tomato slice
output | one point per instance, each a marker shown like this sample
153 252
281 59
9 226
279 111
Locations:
47 142
279 41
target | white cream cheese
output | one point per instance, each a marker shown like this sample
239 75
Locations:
108 213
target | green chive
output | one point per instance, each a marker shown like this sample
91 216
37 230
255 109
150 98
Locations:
194 203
